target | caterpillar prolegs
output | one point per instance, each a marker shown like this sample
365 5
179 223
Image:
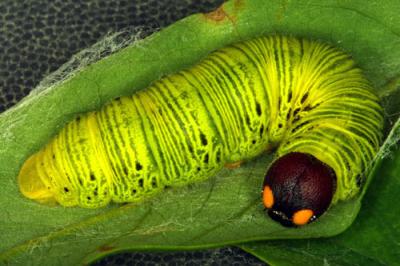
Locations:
303 98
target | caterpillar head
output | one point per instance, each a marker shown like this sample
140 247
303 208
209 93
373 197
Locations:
298 188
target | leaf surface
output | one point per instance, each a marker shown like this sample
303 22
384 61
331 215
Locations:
225 209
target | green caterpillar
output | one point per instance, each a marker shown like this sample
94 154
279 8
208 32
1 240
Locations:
293 95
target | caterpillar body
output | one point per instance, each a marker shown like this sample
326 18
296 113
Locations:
303 98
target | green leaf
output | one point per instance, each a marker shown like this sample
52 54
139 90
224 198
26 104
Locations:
226 209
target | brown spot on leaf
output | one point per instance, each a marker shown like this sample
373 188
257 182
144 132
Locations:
238 4
105 248
222 13
217 15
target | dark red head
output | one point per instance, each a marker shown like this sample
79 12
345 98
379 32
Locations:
298 188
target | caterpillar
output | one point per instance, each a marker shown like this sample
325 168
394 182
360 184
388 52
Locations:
304 99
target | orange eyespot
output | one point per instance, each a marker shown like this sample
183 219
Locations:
302 217
268 197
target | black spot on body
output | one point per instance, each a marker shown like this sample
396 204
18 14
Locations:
154 182
203 139
258 109
290 96
307 108
125 170
206 158
248 122
296 111
218 156
138 166
288 114
261 131
304 98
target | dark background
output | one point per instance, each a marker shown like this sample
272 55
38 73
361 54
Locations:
38 36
